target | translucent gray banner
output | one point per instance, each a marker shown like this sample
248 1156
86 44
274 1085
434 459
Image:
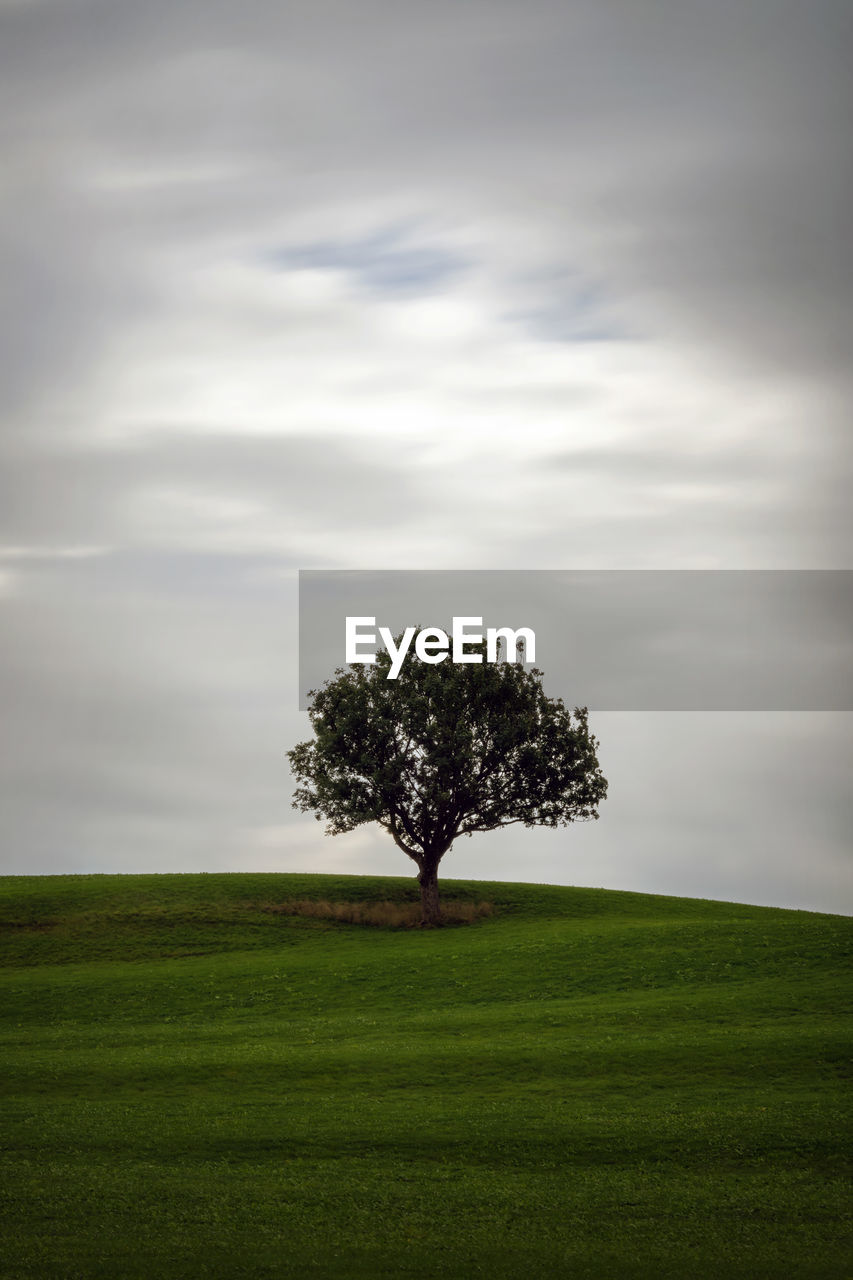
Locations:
632 640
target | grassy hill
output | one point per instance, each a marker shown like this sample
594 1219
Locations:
582 1084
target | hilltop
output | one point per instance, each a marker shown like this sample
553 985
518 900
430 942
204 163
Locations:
581 1083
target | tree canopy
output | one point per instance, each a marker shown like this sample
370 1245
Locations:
444 750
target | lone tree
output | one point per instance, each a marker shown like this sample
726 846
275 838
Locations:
442 751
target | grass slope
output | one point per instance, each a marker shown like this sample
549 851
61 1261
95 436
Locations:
586 1084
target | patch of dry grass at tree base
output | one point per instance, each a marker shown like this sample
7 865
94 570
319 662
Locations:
388 915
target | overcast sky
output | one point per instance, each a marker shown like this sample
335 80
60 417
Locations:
416 286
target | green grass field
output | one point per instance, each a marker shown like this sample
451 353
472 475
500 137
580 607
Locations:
583 1084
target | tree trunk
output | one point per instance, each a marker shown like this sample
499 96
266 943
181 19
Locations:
428 880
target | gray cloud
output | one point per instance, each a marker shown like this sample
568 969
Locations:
427 286
700 152
89 497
